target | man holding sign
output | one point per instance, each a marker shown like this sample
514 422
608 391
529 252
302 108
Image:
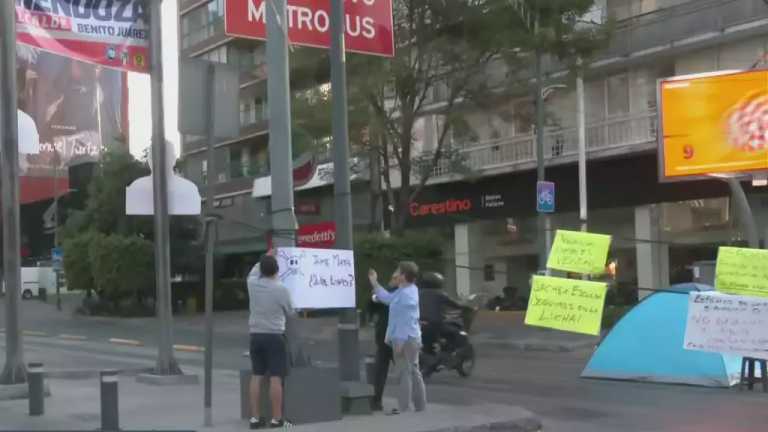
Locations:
270 307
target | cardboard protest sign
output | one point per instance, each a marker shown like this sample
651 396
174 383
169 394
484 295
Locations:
742 271
566 304
579 252
318 278
727 324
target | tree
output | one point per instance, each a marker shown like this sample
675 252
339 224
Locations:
451 48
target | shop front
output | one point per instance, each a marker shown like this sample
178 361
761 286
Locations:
659 229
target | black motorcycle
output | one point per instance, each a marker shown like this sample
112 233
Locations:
452 349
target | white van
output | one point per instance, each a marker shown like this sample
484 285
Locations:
33 278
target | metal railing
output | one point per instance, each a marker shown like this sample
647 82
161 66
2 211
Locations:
625 131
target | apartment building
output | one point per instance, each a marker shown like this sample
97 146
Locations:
659 229
239 162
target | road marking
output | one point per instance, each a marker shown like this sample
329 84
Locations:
129 342
189 348
33 333
72 337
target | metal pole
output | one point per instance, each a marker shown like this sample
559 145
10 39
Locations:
210 243
280 145
348 338
284 223
745 212
56 221
543 220
14 371
582 132
166 361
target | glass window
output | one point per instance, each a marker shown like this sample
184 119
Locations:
202 23
218 55
252 110
617 94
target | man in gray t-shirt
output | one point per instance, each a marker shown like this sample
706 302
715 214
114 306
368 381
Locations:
270 306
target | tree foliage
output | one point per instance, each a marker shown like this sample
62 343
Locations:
448 57
123 269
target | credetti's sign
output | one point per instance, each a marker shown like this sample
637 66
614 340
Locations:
368 23
320 236
112 33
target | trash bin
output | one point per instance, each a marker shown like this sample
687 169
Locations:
42 294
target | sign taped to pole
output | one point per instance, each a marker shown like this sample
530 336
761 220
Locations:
369 28
109 33
566 304
318 278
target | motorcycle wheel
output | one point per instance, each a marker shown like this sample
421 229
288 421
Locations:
467 364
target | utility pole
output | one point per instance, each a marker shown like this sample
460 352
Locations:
543 220
209 223
582 135
284 224
166 361
348 333
14 371
280 146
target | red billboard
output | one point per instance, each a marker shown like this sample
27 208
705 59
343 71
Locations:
368 23
109 33
318 236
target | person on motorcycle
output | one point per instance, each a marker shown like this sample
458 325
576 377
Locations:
441 316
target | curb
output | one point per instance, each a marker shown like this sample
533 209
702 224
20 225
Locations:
88 374
528 424
540 346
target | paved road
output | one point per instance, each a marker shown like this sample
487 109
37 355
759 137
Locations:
546 383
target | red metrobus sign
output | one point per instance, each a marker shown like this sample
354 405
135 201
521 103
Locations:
368 23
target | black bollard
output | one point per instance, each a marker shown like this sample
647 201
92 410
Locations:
36 389
110 419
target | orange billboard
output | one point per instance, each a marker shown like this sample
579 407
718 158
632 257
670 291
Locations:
713 123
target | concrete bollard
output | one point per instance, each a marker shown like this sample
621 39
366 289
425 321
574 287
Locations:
110 419
35 380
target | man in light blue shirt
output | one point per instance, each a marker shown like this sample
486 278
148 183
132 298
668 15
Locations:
404 333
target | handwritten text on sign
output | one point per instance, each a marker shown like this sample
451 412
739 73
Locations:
318 278
368 23
742 271
727 324
566 304
579 252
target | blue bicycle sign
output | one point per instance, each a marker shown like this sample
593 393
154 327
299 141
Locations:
545 197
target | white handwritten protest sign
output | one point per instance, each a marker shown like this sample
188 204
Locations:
727 324
318 278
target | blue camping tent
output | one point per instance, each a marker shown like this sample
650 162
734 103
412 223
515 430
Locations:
647 345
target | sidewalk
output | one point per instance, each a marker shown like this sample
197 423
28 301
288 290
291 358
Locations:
74 405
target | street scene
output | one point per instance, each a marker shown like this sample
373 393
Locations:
377 215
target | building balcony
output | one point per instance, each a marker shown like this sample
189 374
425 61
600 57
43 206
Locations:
621 135
684 26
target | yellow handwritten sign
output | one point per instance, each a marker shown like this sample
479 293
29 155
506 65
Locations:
566 304
579 252
742 271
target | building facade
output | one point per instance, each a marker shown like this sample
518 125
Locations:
659 229
488 221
